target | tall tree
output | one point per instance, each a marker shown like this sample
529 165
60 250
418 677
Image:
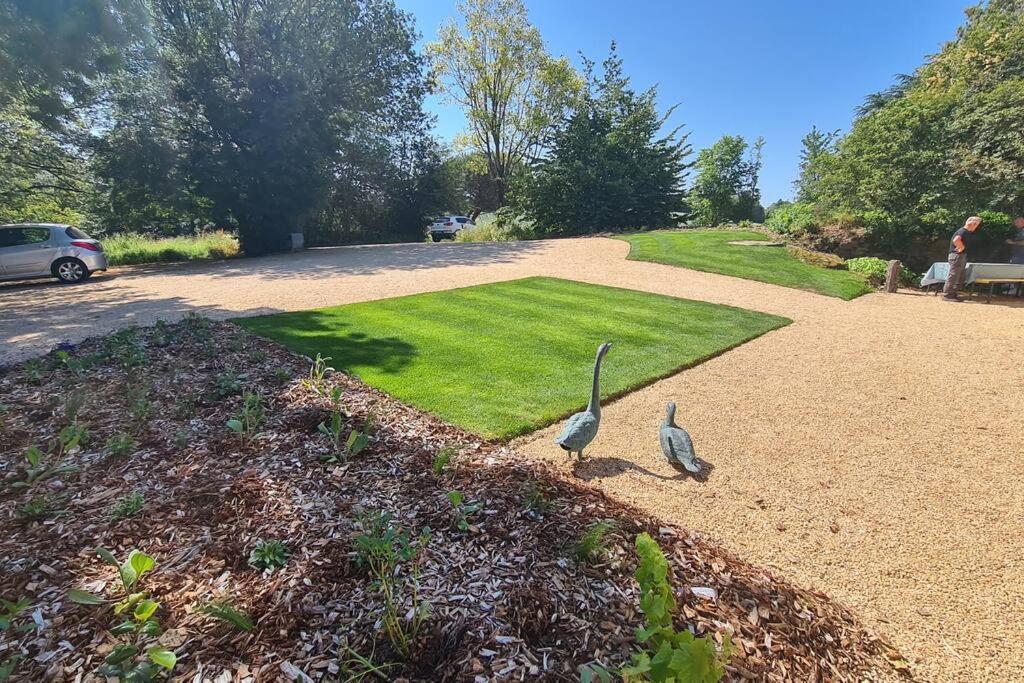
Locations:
817 146
611 166
275 98
512 91
53 52
725 187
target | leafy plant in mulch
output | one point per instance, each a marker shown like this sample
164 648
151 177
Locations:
393 559
343 449
317 380
43 466
591 547
463 510
119 445
40 507
140 407
128 506
10 614
442 460
249 418
226 384
222 610
138 657
668 655
269 555
535 501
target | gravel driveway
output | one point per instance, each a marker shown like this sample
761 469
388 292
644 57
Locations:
873 450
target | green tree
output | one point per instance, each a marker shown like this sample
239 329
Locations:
725 188
512 91
54 53
818 145
610 166
274 100
941 144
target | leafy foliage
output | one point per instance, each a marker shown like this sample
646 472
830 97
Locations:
725 187
591 546
249 418
226 612
393 560
610 167
874 269
138 657
441 460
669 655
269 555
128 506
512 91
941 145
463 509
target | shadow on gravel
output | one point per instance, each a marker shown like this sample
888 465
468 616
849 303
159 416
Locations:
606 467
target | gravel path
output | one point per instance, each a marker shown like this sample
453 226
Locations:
871 450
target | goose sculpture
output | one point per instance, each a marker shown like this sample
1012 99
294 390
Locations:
677 445
581 428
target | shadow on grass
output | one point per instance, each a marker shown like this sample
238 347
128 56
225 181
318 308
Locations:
312 332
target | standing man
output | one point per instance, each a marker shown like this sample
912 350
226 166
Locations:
959 246
1017 243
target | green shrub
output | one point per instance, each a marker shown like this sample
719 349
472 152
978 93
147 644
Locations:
130 248
502 226
874 270
792 219
817 258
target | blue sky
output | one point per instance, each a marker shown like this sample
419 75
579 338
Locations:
741 67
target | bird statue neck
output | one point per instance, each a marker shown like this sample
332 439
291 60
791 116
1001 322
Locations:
595 392
670 417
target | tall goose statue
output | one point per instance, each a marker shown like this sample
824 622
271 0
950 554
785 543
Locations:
581 428
677 445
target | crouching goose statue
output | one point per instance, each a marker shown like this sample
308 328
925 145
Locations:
677 445
581 428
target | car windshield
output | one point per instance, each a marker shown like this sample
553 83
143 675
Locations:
76 234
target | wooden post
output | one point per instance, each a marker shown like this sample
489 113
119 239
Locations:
892 276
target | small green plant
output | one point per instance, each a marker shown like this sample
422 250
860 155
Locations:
33 370
128 506
185 408
668 655
343 448
393 560
592 546
269 555
222 610
370 423
442 459
535 500
463 510
125 348
119 445
197 327
138 657
40 507
140 408
181 439
259 356
281 375
42 467
226 384
249 419
317 380
10 614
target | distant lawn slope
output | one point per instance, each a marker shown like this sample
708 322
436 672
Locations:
130 248
507 358
710 251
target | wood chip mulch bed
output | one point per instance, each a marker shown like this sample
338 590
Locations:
508 601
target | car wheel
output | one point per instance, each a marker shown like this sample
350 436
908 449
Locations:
436 238
70 270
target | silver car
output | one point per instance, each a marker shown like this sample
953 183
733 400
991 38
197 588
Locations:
31 250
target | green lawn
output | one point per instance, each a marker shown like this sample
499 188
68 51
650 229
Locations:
710 251
504 359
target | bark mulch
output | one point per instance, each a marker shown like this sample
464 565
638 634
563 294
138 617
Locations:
507 598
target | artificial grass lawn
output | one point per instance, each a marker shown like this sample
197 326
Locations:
504 359
710 251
